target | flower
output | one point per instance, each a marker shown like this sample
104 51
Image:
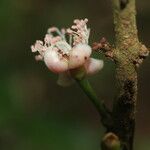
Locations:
67 49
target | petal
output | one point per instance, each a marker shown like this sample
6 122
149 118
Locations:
33 49
54 62
64 79
93 65
79 55
38 58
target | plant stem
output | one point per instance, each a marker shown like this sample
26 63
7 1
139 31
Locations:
88 90
126 52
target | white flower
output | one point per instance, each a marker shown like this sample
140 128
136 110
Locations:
61 55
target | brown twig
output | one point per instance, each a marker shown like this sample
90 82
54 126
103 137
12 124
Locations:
128 54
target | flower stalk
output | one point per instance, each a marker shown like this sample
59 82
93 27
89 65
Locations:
98 104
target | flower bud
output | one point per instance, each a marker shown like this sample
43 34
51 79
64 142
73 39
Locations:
111 142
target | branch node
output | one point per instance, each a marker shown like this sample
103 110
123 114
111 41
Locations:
143 54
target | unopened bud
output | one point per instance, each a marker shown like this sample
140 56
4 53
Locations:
111 142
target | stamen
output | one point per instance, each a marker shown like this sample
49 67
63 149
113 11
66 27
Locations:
69 31
54 29
70 40
78 34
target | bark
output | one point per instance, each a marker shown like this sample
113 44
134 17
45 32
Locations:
125 54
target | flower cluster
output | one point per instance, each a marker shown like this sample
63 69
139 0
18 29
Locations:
67 49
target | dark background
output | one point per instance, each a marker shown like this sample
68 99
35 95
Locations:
35 113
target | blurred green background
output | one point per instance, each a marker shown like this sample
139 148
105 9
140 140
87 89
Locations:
37 114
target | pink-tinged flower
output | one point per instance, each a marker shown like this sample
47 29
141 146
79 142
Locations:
61 55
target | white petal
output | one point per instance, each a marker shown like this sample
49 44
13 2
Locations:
93 65
64 79
54 62
79 55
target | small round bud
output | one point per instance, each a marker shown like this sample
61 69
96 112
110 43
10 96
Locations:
111 142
